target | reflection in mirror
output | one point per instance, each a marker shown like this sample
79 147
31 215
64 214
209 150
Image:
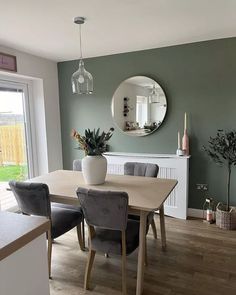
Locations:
139 106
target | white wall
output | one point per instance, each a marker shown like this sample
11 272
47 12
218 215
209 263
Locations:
44 79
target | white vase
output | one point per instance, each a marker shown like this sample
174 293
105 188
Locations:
94 169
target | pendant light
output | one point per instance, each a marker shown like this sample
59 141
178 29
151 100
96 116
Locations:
154 95
82 80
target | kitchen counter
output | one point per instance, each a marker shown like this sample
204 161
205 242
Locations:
23 254
17 230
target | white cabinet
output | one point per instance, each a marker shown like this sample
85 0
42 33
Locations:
25 272
170 166
23 254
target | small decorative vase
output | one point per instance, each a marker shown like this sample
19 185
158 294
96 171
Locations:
94 169
179 152
185 143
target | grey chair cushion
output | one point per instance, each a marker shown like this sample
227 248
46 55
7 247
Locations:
32 198
77 165
106 209
107 212
66 206
141 169
109 241
64 220
137 218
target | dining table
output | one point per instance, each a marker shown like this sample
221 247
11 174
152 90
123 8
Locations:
146 194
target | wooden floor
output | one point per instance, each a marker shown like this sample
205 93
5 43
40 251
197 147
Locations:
200 260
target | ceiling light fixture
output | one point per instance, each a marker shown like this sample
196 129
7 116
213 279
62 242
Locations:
154 95
82 80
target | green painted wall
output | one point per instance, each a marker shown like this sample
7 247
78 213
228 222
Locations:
198 78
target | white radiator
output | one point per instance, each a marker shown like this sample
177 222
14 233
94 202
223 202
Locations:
170 166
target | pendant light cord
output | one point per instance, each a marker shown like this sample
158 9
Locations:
80 39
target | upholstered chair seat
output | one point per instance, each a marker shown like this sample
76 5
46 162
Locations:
33 199
110 241
64 220
77 165
67 206
110 231
141 169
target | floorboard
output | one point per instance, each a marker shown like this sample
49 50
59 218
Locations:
200 260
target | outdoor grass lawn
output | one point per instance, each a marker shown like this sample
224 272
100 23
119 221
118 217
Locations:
13 172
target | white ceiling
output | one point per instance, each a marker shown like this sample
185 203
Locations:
45 27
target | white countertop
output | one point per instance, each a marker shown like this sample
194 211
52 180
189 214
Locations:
17 230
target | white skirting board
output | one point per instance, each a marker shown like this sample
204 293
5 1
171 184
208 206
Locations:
192 212
195 213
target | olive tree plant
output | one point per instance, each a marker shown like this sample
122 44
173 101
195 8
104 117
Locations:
222 150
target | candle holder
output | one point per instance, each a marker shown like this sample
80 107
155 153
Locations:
185 139
179 152
208 211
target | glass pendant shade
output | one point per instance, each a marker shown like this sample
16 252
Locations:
154 96
82 80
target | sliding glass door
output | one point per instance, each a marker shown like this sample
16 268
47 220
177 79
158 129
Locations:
15 138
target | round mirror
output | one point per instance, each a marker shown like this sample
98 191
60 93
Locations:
139 106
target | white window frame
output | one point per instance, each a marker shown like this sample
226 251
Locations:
26 86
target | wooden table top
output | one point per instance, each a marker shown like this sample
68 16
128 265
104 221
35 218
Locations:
145 193
17 230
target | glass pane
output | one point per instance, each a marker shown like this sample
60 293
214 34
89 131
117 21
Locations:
13 150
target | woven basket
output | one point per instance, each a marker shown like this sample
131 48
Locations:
225 219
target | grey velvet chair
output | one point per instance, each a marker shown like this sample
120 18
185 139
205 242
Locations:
146 170
77 165
110 231
33 199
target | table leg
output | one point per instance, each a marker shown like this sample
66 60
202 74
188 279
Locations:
141 252
162 226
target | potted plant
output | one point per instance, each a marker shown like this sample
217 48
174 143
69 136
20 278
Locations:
222 150
94 164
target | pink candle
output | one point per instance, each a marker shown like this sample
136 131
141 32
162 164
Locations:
185 121
178 140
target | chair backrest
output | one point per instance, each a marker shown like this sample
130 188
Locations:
77 165
105 209
141 169
32 198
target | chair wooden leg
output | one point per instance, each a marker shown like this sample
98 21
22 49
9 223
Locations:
124 284
49 252
146 257
80 238
90 261
83 231
154 229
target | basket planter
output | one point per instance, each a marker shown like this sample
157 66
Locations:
225 219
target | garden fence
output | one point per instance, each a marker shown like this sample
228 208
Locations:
12 145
